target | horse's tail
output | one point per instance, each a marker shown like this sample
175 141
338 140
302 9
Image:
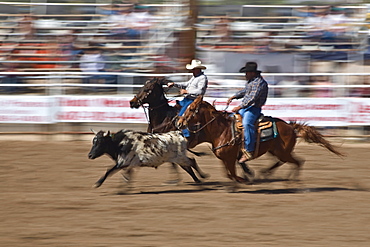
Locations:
311 135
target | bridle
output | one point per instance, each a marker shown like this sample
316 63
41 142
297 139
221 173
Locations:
232 142
146 108
197 124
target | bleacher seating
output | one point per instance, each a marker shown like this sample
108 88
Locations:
56 39
285 33
35 42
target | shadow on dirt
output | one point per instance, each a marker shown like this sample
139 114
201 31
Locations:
225 186
297 190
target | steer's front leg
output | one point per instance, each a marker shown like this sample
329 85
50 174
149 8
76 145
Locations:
109 172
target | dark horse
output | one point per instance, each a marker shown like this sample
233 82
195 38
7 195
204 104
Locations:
161 114
216 126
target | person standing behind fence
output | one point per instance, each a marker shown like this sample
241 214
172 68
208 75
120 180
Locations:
141 21
197 85
120 22
92 61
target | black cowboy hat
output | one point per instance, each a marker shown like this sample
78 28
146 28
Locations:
250 67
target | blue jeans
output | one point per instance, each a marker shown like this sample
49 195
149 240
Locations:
184 105
250 116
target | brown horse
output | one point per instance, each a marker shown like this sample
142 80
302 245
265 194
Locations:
217 127
161 115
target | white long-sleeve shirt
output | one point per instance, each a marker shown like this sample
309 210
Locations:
91 63
197 85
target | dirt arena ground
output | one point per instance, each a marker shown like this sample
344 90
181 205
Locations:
47 199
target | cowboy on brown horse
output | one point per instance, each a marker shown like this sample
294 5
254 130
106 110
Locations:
254 97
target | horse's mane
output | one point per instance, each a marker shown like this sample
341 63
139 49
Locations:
157 81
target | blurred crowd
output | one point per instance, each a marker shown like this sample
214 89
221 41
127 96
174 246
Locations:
121 32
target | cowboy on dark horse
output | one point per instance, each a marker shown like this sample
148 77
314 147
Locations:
254 97
197 85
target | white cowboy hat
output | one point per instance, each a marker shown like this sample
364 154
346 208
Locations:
195 64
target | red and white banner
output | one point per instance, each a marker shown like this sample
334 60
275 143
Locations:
116 109
97 109
313 111
26 109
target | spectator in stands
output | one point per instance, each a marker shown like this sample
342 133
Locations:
131 22
9 79
141 21
336 20
26 26
120 21
316 22
327 25
92 61
107 9
223 29
304 11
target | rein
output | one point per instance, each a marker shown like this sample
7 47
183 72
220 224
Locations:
196 131
156 107
232 142
145 112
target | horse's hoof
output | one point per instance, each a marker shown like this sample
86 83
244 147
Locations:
96 185
242 181
198 182
248 180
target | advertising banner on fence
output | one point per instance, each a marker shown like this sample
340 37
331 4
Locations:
313 111
116 109
27 109
359 112
97 109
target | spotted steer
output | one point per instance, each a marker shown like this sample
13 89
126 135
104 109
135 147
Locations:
131 149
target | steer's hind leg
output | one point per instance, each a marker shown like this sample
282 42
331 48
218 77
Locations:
197 168
190 171
108 173
175 175
187 163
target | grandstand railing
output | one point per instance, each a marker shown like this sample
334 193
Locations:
220 84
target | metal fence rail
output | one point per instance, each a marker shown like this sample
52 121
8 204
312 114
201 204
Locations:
222 83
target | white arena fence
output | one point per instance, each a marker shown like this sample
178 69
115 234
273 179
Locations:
56 106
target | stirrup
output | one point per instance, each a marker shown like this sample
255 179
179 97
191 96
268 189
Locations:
246 156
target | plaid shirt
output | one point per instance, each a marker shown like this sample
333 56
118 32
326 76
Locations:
254 93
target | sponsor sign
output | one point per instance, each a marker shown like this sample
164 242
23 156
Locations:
26 109
116 109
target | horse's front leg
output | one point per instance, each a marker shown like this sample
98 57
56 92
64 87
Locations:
248 173
231 170
108 173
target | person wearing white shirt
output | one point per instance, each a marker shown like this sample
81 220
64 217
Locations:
197 85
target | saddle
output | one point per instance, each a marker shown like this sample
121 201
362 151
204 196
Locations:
265 127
